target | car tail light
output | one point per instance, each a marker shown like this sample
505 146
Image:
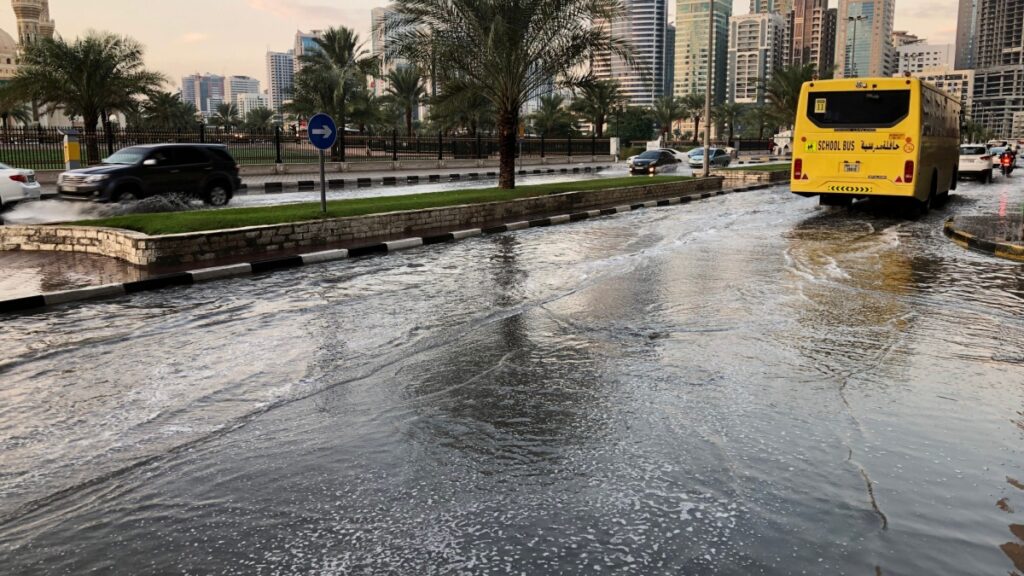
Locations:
798 168
20 178
908 172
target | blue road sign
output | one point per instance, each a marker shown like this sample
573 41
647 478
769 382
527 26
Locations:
322 131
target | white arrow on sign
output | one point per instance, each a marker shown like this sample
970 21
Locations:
325 131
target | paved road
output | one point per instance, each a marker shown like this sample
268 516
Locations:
745 385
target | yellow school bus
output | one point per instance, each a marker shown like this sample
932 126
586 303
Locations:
865 137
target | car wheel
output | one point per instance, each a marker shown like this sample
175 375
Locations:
217 195
986 178
127 197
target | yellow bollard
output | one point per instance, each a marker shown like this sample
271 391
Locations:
72 150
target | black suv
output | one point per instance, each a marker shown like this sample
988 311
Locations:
206 171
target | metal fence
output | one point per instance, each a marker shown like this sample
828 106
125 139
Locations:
43 148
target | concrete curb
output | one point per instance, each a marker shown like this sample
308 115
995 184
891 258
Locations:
971 242
341 184
40 301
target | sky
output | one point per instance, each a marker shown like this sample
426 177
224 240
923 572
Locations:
231 37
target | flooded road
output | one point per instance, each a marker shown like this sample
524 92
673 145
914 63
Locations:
743 385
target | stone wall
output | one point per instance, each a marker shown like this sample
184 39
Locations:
740 176
177 249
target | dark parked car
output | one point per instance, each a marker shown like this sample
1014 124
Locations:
654 161
206 171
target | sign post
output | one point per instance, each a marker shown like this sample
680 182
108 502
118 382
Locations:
322 134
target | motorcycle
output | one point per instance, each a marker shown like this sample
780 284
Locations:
1006 162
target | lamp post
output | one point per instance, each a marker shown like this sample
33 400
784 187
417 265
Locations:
855 20
707 91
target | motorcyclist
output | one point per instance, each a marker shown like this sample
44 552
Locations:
1008 160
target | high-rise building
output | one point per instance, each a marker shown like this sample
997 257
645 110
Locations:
380 20
966 29
781 7
999 65
205 91
670 59
864 39
281 77
305 44
811 35
755 51
916 58
235 85
904 38
956 83
642 24
248 102
34 21
691 70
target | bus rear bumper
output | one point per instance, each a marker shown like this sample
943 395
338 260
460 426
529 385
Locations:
808 188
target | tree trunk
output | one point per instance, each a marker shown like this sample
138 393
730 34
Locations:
696 129
507 150
408 122
599 126
92 147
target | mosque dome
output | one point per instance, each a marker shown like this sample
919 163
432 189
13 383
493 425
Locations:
7 44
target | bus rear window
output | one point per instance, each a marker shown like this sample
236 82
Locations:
858 109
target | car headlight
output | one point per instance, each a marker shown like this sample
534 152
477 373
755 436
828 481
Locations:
96 178
652 169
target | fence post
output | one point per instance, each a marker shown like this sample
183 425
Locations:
479 154
109 134
277 145
440 146
202 133
542 145
394 145
570 145
593 144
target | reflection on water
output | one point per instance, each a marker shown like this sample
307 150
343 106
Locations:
30 273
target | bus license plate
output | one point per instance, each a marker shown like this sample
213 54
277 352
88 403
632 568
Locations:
848 168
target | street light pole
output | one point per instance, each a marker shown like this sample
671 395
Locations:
707 91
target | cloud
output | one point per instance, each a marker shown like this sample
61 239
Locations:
193 38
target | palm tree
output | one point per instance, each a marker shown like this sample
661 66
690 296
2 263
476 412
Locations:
783 91
167 111
597 101
759 116
88 77
258 118
506 50
13 109
470 112
727 113
364 109
552 118
407 89
975 132
339 67
226 116
667 110
694 105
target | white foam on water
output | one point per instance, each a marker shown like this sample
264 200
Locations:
54 211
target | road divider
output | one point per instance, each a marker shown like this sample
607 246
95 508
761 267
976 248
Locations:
42 301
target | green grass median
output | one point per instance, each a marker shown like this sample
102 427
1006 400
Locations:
200 220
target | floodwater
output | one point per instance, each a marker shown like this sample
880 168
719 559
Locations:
743 385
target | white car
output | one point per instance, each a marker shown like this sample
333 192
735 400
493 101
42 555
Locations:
17 185
976 162
681 156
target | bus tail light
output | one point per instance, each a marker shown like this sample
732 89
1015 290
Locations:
798 168
908 172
